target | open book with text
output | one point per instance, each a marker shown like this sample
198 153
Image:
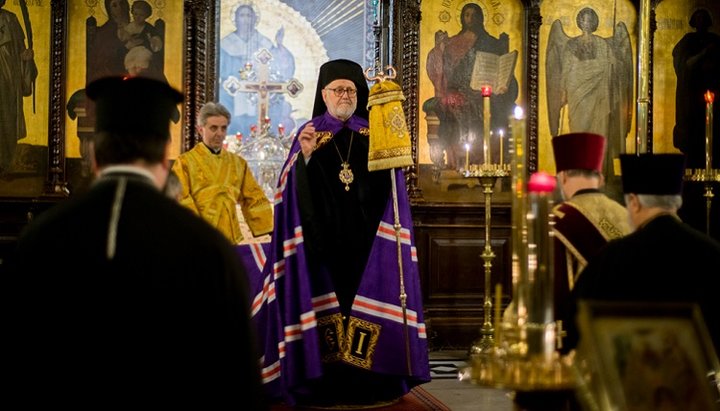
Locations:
493 70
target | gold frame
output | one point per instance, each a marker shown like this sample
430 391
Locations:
610 16
406 18
196 74
447 185
26 176
671 24
83 20
655 351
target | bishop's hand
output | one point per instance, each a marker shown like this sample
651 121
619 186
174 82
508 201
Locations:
308 140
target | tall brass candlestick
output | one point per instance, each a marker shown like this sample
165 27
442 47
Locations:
485 344
541 315
488 174
709 98
486 93
521 356
498 304
502 134
467 156
518 174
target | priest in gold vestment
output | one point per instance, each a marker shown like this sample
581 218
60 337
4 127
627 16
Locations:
587 218
214 181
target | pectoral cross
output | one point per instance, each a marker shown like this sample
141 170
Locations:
262 86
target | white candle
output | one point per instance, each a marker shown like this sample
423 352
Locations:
486 129
519 207
518 155
709 98
467 156
486 93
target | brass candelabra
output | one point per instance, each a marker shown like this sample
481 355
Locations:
521 354
488 175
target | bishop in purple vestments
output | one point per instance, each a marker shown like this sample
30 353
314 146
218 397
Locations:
327 304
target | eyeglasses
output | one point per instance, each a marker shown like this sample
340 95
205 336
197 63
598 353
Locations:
351 92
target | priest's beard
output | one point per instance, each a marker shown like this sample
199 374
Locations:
343 110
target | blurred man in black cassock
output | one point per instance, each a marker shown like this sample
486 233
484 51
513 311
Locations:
664 259
120 294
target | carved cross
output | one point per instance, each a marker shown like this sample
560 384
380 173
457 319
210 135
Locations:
263 86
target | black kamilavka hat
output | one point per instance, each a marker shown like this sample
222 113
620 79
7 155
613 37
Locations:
130 105
346 70
658 174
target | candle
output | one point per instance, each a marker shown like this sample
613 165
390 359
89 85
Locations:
541 182
498 303
540 265
709 98
467 156
486 92
518 209
517 158
502 134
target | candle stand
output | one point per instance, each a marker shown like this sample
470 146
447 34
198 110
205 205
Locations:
522 356
707 177
488 175
517 351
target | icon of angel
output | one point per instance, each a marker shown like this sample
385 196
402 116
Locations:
589 82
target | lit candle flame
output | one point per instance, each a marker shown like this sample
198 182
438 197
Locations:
709 96
518 113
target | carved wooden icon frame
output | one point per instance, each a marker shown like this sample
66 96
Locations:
25 146
639 355
412 39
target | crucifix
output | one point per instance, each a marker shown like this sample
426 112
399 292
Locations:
263 86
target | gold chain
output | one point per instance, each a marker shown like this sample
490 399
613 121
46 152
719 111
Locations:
346 175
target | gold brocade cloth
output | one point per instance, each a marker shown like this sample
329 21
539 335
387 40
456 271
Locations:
212 186
390 144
